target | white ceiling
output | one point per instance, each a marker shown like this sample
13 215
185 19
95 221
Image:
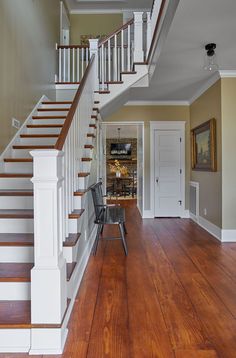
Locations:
180 73
107 5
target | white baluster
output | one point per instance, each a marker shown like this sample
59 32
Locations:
60 60
64 65
78 65
68 64
73 63
109 60
82 62
115 60
48 277
102 67
138 37
128 50
122 52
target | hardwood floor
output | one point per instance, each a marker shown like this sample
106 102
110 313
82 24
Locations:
173 296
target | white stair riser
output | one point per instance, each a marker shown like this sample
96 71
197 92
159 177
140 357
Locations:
46 130
17 254
92 130
15 340
75 225
38 141
87 153
70 253
79 201
48 121
16 202
86 166
82 183
11 291
54 106
16 183
52 113
17 226
15 167
21 153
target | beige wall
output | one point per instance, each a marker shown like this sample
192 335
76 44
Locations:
95 25
228 153
29 30
155 113
204 108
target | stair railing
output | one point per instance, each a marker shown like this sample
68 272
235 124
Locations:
73 61
55 179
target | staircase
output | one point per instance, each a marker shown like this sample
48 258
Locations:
46 216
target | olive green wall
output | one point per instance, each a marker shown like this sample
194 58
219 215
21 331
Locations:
155 113
208 106
29 31
94 24
228 90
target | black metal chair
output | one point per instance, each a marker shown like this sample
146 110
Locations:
107 215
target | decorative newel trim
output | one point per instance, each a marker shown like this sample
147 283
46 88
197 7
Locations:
48 277
93 46
149 32
138 37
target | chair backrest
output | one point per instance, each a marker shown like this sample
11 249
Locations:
97 195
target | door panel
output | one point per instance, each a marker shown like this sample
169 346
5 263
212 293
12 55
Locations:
167 173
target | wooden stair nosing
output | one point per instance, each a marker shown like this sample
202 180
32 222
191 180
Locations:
17 240
44 125
60 102
18 160
16 214
92 126
16 192
91 135
86 159
88 146
76 214
33 146
53 109
48 117
39 135
16 175
17 315
83 174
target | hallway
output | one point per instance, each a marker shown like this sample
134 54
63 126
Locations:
173 296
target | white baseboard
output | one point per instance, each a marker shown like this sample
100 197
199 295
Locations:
193 217
186 214
210 227
228 235
147 214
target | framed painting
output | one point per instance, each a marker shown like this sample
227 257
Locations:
203 140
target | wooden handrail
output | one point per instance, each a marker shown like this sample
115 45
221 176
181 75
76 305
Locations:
155 31
123 27
72 46
65 129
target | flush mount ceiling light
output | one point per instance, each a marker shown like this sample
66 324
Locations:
210 58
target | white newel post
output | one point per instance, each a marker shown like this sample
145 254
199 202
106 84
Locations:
149 32
48 277
93 46
138 37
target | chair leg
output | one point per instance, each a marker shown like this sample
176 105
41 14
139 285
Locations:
95 245
125 230
123 238
102 229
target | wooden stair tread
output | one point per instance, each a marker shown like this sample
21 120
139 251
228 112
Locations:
96 109
80 192
69 270
61 102
91 135
17 314
83 174
44 126
49 117
16 214
93 116
16 192
33 147
87 159
102 92
15 272
88 146
53 109
71 240
18 160
16 175
39 135
76 214
128 73
16 239
28 240
93 126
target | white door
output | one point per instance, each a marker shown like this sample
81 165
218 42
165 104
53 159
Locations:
167 170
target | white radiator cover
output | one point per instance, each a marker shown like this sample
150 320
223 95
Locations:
194 200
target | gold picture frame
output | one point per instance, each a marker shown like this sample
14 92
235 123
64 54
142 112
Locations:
203 143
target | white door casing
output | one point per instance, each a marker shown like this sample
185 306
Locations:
167 162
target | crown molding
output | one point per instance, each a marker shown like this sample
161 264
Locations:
103 11
157 103
212 80
227 73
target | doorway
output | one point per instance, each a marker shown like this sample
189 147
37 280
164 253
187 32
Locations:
168 169
122 161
